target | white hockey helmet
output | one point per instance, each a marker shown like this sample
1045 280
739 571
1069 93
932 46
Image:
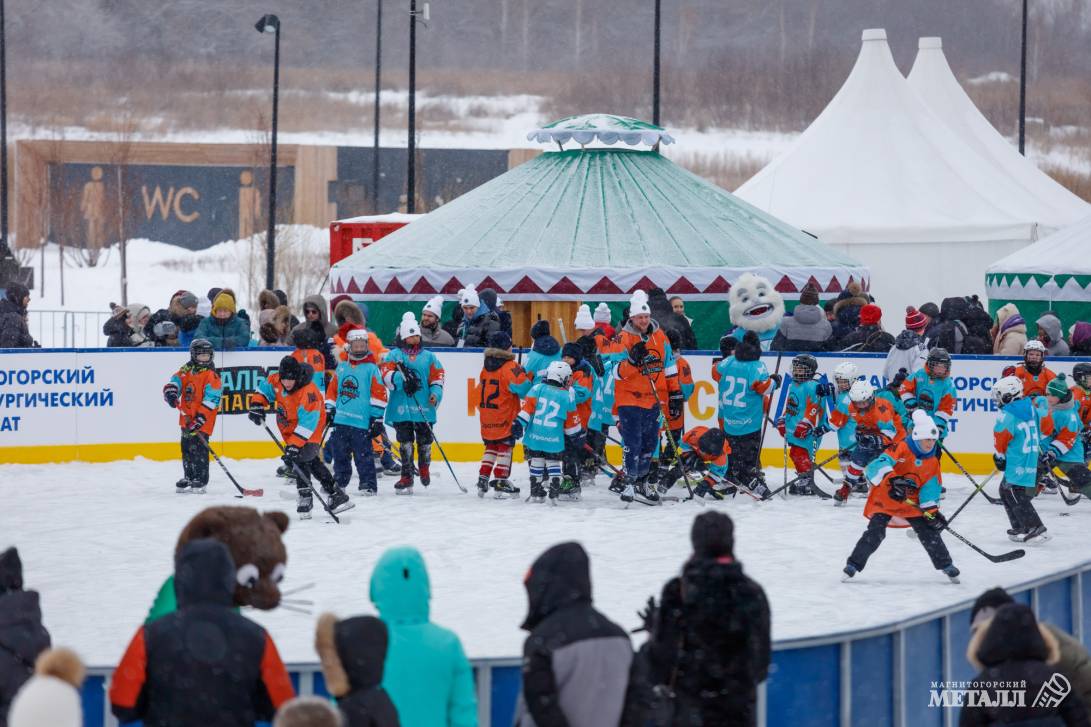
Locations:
846 371
1034 345
861 392
924 427
1007 390
560 372
356 334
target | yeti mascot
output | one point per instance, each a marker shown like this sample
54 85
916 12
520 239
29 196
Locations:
754 305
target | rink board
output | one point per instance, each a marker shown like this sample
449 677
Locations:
98 405
893 675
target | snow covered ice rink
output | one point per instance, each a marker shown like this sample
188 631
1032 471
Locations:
97 541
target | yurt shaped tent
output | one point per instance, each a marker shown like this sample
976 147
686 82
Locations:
879 176
931 77
1052 274
589 225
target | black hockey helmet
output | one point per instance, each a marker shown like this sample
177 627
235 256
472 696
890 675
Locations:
727 345
804 366
290 369
573 351
711 443
200 348
1081 374
938 357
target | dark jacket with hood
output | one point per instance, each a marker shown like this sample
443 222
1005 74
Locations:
1014 647
118 332
953 333
176 314
22 636
352 654
664 314
203 664
13 325
475 332
1050 325
575 660
1081 339
488 297
871 339
846 321
329 328
806 329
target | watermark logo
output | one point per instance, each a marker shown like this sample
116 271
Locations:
997 694
1053 692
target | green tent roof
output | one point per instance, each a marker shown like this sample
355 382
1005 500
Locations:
600 222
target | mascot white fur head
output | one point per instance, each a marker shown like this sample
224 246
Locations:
754 304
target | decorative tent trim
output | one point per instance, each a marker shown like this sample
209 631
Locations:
606 128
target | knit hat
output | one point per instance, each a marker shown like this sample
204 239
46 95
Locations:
809 295
468 297
500 340
931 310
50 697
223 301
638 304
915 320
409 326
584 321
186 299
1058 388
212 293
992 599
434 306
711 442
11 570
572 350
870 315
712 535
603 314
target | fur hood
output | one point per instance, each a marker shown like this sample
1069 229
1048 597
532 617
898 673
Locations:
497 357
348 312
855 297
1012 634
351 652
268 300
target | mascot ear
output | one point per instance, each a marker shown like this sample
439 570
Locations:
279 519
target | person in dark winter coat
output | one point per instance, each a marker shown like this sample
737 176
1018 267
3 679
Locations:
181 312
203 664
1049 333
13 318
1074 660
806 328
478 320
1012 647
491 300
575 660
1080 336
709 637
953 333
22 636
352 653
663 313
870 336
315 308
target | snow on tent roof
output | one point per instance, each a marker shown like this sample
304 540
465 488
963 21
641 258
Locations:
599 221
932 79
878 165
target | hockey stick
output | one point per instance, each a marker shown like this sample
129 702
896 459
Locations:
1002 558
765 413
822 494
303 477
670 435
420 410
818 466
1063 482
977 489
608 469
243 492
992 500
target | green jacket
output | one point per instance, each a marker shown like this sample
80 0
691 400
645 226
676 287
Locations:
427 674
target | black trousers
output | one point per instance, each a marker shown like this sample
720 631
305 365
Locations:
873 537
1018 506
194 459
310 464
744 464
408 433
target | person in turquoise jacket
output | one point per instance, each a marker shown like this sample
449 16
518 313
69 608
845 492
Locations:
225 329
426 672
545 351
1017 440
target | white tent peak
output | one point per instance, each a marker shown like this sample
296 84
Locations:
874 34
935 83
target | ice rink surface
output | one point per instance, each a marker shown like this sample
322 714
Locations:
97 541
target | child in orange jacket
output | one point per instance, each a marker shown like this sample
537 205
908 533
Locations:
502 383
195 391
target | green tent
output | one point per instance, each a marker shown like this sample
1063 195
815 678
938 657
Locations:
591 225
1052 274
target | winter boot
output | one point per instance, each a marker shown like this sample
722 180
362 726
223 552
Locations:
952 573
482 485
404 486
182 486
537 492
339 501
504 489
304 503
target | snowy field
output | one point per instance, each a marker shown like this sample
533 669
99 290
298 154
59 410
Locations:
97 541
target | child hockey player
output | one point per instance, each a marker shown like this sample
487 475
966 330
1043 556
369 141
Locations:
677 425
602 415
1033 373
355 402
1062 445
744 383
844 376
582 385
195 391
547 420
906 491
804 421
1016 439
878 426
1081 374
301 418
543 351
502 382
932 391
703 455
415 378
646 394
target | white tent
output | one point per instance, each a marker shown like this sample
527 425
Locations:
932 79
880 177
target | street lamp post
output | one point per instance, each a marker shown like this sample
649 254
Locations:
271 24
1023 85
411 173
378 86
655 66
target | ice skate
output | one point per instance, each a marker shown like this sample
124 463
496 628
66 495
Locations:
181 486
849 571
569 490
1035 536
404 486
304 504
198 488
368 491
646 493
339 501
425 476
504 489
537 492
482 485
952 573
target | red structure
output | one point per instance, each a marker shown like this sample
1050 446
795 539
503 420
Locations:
354 234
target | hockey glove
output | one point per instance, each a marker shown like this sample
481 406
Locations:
911 404
824 390
779 425
170 395
934 518
577 441
898 380
256 414
1049 458
196 423
331 411
1000 461
821 430
517 429
638 353
926 402
674 404
291 455
777 379
803 429
869 441
375 429
410 381
900 487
